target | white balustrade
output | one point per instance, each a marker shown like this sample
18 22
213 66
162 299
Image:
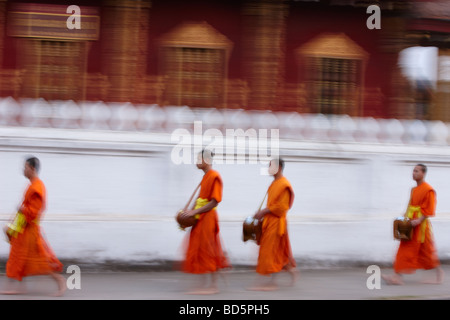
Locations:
10 109
95 115
66 114
151 118
98 115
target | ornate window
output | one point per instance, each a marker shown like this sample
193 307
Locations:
61 75
54 70
334 72
51 56
194 61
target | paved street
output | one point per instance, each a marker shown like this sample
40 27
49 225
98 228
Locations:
346 284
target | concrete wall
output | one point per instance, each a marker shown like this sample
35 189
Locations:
112 195
114 187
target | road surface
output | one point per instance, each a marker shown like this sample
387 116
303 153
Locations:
328 284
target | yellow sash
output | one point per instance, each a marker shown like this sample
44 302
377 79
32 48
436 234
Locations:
200 202
17 226
414 212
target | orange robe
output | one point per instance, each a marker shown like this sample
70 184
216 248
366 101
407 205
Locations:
204 252
30 254
275 248
419 252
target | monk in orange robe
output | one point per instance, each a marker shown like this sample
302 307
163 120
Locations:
419 252
275 252
204 253
29 254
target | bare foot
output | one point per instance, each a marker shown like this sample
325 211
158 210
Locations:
295 274
61 285
58 293
392 280
14 287
439 277
204 291
12 292
224 278
267 287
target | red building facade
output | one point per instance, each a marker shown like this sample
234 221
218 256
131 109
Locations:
303 56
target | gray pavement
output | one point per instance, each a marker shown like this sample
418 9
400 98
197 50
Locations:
329 284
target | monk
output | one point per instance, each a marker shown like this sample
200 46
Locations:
419 252
204 253
29 254
275 252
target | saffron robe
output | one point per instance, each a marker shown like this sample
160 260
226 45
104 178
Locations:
275 249
29 254
419 252
204 252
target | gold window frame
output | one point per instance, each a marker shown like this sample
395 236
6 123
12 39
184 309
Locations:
329 59
193 59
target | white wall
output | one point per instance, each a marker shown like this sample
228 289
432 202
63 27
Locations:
111 176
112 195
113 187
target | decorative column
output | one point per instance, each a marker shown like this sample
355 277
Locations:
194 63
124 30
51 57
441 99
4 78
2 29
264 50
29 60
392 41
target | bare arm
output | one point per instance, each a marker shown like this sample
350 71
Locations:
416 222
260 214
278 208
428 209
207 207
34 207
